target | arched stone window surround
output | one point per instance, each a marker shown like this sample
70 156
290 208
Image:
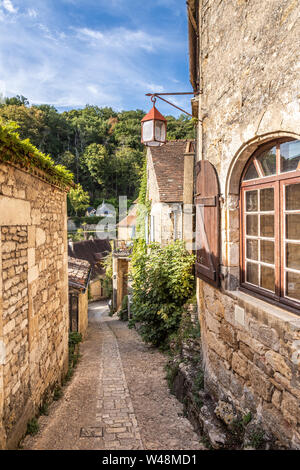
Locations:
231 212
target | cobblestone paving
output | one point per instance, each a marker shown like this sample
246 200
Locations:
117 399
114 407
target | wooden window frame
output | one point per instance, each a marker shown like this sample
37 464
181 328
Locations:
278 182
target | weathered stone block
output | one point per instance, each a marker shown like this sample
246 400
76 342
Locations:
14 211
253 344
290 408
218 346
278 363
265 334
260 383
228 334
276 398
240 365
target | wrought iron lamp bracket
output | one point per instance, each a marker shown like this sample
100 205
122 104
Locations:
159 95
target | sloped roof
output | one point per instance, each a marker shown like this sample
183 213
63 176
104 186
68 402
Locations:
92 251
78 273
168 163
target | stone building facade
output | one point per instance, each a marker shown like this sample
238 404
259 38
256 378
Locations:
79 272
34 319
170 191
244 68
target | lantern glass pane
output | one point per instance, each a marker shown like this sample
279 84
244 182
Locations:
160 131
147 131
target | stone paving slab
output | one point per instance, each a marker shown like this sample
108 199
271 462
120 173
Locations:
117 399
114 407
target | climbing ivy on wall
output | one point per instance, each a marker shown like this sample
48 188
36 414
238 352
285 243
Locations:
26 155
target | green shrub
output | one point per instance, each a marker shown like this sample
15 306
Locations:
247 418
44 409
256 439
171 369
162 282
33 426
58 393
123 313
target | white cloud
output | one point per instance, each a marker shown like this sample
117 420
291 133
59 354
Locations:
7 4
122 38
32 13
75 66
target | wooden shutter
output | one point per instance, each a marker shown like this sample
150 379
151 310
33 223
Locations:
207 223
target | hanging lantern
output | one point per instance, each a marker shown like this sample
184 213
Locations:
154 128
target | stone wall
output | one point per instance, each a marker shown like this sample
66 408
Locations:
249 76
83 313
33 297
252 354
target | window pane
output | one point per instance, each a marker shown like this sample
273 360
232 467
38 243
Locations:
267 251
252 249
148 130
292 194
251 201
293 285
267 199
252 273
268 162
293 226
160 133
252 225
267 278
251 173
289 156
267 225
293 255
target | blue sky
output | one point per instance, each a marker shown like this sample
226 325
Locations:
69 53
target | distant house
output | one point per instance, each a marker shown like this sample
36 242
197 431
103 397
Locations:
127 226
79 272
105 210
93 251
90 212
170 191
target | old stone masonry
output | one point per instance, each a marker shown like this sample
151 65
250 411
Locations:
118 398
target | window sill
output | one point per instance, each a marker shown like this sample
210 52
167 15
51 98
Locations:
279 312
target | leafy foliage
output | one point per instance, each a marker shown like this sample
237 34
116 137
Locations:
24 153
162 283
107 264
33 427
143 204
79 199
99 146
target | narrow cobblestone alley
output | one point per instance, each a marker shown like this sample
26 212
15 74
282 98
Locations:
118 397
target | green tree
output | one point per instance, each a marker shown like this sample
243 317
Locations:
79 199
181 128
30 121
18 100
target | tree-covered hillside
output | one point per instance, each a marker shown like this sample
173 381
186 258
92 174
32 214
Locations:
100 146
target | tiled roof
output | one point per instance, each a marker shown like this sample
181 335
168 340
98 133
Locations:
92 251
168 163
78 273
